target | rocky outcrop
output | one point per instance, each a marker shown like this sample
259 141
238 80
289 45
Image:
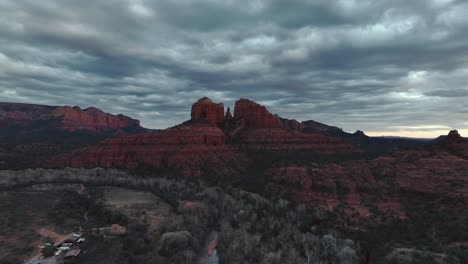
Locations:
313 163
24 112
453 143
228 114
454 137
75 118
31 134
208 110
327 186
193 144
313 127
255 115
187 150
255 127
380 182
360 133
292 124
65 117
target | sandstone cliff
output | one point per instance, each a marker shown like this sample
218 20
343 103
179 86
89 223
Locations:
68 118
255 115
208 110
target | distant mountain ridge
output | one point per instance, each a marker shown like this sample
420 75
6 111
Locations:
69 118
30 133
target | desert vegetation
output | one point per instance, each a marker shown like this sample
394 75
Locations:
262 230
252 228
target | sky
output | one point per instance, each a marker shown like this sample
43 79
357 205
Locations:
386 67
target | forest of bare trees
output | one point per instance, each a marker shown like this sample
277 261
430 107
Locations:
251 228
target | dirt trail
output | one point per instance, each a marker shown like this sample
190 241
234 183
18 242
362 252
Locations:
82 188
85 214
85 217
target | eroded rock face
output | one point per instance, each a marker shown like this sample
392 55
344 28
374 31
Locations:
193 145
255 115
313 127
382 182
360 133
188 150
216 147
208 110
69 118
292 124
454 137
454 143
75 118
228 114
30 134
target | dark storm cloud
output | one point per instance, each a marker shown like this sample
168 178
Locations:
377 65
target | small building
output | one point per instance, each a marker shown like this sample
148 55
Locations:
64 248
70 238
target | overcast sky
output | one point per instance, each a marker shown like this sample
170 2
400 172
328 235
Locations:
386 67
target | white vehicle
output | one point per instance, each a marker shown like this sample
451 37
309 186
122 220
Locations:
64 248
58 252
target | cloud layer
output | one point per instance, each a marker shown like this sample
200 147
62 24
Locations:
397 67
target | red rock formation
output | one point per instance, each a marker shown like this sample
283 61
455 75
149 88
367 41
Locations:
281 138
292 124
312 127
74 118
253 127
188 150
454 143
33 133
208 110
454 137
383 180
199 148
228 114
360 133
326 186
255 115
70 118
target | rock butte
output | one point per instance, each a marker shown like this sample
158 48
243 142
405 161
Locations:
207 138
208 110
218 144
255 115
